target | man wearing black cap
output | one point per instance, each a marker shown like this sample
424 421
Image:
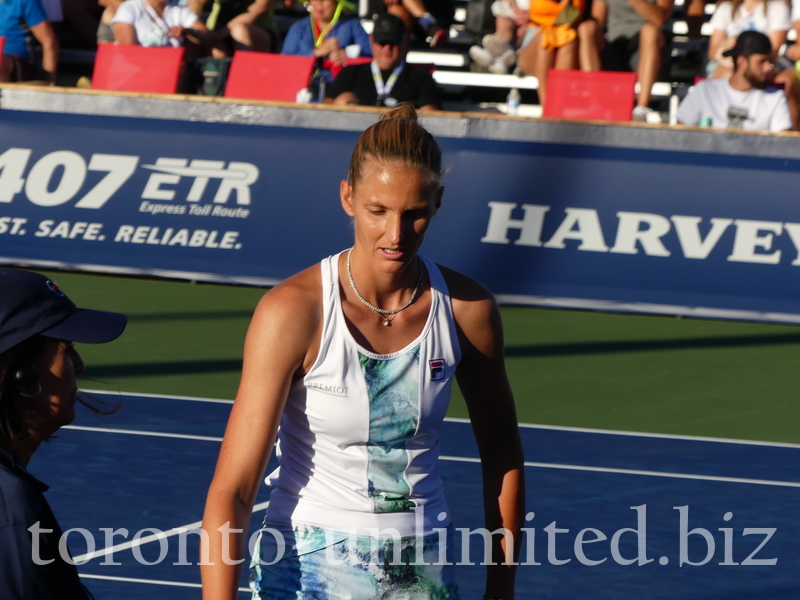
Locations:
743 101
387 80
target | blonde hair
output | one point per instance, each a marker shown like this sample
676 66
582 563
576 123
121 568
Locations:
397 137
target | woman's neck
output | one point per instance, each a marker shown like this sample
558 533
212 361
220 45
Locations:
385 290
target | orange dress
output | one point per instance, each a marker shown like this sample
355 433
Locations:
556 20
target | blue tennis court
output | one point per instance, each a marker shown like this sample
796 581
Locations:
148 467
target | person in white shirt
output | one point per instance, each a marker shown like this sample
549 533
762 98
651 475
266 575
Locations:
741 102
731 18
153 23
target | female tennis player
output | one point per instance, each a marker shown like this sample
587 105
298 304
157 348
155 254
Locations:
354 358
38 367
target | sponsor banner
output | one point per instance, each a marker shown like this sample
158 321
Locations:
549 224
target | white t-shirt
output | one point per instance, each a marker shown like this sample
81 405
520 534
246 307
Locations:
754 110
795 10
775 18
152 30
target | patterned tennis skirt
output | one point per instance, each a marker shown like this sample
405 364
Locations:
311 563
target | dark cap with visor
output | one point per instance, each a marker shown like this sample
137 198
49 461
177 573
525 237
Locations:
31 304
388 29
749 43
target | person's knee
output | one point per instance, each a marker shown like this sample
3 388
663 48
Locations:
241 34
651 36
587 31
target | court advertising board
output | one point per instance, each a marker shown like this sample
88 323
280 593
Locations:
541 221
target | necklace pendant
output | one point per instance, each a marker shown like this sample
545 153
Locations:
386 322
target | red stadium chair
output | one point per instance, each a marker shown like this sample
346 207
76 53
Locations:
128 68
2 43
264 76
599 95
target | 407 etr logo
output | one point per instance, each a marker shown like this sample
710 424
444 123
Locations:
59 177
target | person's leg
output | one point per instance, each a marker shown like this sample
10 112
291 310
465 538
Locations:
6 68
545 60
566 57
651 40
589 36
251 36
506 30
528 55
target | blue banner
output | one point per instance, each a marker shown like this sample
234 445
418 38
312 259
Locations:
538 223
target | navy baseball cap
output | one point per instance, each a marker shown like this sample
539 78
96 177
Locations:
31 304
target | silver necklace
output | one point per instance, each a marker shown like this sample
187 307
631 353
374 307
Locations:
386 315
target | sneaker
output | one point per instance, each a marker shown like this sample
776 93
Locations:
494 45
508 58
481 56
498 67
644 114
437 37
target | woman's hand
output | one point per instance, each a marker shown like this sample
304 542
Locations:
337 57
327 46
176 32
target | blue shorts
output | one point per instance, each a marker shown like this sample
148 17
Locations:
310 563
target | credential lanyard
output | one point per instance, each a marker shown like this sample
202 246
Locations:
384 89
320 33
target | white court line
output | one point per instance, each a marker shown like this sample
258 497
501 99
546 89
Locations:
151 538
182 436
527 464
167 396
666 436
150 581
637 472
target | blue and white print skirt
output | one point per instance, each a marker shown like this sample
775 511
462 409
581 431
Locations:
311 563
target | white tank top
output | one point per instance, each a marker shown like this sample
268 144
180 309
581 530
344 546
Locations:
358 442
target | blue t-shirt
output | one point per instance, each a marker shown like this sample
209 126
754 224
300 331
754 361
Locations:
300 38
11 13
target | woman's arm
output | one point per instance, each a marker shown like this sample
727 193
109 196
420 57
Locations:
276 346
124 33
484 384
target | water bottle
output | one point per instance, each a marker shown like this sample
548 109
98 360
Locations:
513 101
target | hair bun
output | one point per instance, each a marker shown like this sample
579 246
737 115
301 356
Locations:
404 110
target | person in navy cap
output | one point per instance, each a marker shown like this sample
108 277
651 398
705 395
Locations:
38 392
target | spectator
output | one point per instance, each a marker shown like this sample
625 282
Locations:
387 80
16 63
743 102
555 41
433 17
732 17
634 41
251 23
104 31
326 33
153 23
771 17
498 50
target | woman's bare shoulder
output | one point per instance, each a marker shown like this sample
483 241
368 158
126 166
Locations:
465 291
295 303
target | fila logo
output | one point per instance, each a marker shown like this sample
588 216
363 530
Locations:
437 369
